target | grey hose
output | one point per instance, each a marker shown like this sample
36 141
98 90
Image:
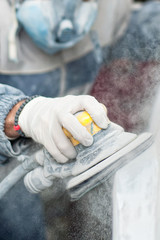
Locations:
11 180
15 175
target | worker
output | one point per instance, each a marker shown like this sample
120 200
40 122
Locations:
53 67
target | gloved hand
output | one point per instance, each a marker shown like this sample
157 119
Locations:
42 119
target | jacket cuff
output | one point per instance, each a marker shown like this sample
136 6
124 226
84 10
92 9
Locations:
7 102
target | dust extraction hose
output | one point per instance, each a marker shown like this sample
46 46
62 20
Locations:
16 174
11 180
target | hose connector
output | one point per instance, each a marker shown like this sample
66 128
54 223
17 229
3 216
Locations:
35 181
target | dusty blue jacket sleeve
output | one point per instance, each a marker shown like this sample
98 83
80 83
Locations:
9 96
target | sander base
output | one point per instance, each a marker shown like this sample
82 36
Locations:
79 185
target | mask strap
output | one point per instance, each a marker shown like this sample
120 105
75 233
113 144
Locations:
12 47
97 47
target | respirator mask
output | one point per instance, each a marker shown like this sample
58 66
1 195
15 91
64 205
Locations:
55 25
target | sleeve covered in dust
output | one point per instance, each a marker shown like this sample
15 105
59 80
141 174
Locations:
9 96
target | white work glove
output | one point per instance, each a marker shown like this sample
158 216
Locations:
42 119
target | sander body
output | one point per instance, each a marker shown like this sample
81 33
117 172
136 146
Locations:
112 149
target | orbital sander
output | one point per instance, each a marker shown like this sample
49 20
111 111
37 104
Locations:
112 149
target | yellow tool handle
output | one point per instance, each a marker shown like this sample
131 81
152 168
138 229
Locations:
85 119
